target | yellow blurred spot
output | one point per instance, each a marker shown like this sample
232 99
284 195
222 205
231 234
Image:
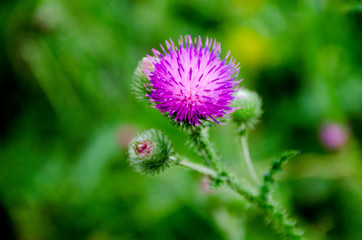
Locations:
247 5
249 47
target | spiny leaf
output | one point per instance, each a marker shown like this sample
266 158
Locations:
276 167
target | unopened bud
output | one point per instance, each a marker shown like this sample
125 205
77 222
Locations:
150 152
140 85
249 104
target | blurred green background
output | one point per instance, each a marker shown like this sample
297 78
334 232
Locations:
67 114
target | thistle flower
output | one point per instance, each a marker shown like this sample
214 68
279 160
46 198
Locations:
190 82
150 152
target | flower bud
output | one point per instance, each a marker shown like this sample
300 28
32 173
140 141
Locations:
249 104
140 80
150 152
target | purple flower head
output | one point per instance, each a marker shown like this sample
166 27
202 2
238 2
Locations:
191 82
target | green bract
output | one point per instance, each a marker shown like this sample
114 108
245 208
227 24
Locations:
150 152
250 107
140 81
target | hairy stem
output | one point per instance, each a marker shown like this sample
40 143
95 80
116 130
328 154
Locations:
275 168
200 140
270 211
280 220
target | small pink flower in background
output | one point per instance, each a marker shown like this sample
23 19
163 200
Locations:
190 82
333 135
205 185
125 135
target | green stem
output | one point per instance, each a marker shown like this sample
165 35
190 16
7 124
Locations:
199 168
241 191
269 208
247 158
281 222
200 140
